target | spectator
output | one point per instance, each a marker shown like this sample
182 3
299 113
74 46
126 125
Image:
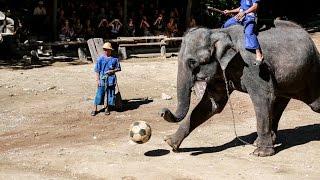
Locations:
115 28
78 28
192 23
172 28
145 26
88 31
131 29
61 18
159 25
103 29
40 10
155 14
105 69
67 30
6 24
39 19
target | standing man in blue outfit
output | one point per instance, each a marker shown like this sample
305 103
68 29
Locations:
246 15
105 69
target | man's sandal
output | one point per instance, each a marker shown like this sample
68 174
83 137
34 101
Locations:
258 62
107 112
93 113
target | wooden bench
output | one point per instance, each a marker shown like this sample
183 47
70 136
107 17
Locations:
161 41
122 49
95 44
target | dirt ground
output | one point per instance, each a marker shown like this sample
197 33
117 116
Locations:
46 131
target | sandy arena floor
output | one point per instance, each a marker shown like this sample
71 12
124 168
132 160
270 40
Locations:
46 131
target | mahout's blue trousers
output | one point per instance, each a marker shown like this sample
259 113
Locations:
250 37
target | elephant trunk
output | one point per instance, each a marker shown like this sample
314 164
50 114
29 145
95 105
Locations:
184 84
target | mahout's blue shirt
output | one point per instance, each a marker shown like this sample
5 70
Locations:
246 4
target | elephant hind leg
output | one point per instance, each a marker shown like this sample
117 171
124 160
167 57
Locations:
314 94
280 103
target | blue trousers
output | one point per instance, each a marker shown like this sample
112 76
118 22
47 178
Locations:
107 92
251 40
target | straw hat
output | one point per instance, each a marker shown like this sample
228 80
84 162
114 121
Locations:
107 45
2 16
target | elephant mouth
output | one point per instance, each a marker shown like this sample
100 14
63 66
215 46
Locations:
201 78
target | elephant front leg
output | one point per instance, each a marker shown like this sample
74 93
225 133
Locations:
263 105
206 108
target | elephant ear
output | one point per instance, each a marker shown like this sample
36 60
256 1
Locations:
222 48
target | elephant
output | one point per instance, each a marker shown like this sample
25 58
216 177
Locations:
217 58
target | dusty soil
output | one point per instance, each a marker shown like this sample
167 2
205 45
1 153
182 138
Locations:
46 131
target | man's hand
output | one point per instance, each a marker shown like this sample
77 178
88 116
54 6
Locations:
110 72
239 16
98 83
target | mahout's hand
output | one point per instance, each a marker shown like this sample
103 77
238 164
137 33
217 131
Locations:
239 16
226 12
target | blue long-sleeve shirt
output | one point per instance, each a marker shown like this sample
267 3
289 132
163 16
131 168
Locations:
104 64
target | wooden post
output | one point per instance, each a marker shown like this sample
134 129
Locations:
163 49
122 52
54 20
188 13
81 54
125 12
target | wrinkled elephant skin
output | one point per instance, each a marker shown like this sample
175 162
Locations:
291 70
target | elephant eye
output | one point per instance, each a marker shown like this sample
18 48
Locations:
193 63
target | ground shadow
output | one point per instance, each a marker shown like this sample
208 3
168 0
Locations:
157 152
20 63
287 137
131 104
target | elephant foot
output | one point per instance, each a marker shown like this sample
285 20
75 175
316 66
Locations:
167 115
257 141
273 136
173 142
263 151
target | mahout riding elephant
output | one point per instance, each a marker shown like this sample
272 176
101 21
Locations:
291 69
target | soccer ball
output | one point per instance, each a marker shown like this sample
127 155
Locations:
140 132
